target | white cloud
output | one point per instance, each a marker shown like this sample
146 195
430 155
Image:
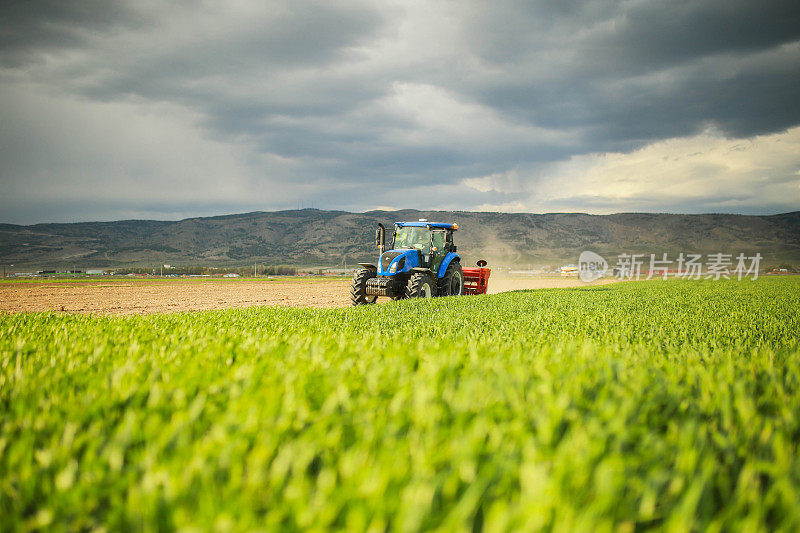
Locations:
437 117
706 171
107 154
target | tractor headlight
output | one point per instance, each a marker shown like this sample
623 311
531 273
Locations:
393 268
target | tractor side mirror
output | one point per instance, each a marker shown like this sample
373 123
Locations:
377 237
454 248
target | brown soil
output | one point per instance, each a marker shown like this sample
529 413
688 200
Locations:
158 296
497 285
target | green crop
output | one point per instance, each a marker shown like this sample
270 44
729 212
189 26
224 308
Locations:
628 407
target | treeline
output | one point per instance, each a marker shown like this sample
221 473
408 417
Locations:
271 270
278 270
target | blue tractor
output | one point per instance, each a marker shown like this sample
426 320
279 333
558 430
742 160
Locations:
420 263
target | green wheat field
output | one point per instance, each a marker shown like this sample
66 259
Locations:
661 405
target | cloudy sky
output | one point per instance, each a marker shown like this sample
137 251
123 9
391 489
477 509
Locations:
166 110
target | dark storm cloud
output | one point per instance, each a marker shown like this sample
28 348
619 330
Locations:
29 27
646 70
622 38
362 103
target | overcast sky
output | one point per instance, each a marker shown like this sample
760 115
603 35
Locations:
165 110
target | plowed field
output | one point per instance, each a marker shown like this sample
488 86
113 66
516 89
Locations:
167 295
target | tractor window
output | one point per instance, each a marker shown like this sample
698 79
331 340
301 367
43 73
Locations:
412 238
438 240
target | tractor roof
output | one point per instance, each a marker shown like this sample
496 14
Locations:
426 224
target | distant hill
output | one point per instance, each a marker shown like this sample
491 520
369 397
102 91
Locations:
314 237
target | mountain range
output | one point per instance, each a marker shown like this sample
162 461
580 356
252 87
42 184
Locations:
330 238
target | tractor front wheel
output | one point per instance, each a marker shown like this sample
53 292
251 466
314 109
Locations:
358 288
419 285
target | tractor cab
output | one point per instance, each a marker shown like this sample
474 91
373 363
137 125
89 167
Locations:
430 242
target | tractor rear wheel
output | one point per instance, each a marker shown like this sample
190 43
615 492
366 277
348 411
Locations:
420 285
452 283
358 288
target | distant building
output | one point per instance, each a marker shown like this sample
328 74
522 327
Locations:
94 271
569 271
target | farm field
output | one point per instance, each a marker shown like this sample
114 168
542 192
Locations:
625 407
145 296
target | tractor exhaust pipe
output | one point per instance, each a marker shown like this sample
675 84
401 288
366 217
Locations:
380 238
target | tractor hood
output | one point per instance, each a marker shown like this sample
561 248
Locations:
397 261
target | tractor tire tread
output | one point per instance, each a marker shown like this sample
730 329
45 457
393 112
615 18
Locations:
358 287
445 283
415 284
